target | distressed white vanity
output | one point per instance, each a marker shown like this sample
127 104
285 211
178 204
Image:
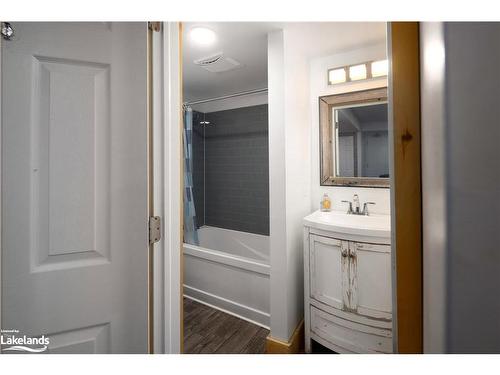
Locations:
347 281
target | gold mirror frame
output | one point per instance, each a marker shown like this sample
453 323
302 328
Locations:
326 103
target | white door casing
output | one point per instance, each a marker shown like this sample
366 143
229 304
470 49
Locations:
167 148
74 185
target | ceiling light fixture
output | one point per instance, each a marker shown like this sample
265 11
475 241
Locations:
202 36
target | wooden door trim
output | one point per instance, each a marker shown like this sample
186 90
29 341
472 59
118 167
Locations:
1 229
406 192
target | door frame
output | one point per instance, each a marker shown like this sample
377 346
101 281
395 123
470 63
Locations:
406 191
167 186
1 212
405 166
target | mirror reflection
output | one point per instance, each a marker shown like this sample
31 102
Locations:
361 145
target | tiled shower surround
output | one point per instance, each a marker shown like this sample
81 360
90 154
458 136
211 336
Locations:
231 169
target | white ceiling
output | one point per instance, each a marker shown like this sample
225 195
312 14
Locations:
246 42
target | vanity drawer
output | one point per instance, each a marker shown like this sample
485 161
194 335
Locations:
349 336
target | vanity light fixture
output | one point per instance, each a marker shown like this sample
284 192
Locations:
337 76
380 68
358 72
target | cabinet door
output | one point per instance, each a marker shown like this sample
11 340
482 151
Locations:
370 279
329 271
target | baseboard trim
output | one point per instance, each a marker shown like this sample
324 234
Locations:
294 346
236 309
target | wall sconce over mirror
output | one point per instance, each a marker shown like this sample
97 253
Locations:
337 75
358 72
354 139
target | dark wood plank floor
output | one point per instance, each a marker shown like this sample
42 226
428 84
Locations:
210 331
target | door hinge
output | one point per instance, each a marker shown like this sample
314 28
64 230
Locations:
154 26
154 229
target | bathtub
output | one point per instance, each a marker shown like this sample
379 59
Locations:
229 270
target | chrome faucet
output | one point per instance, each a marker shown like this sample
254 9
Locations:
357 210
355 200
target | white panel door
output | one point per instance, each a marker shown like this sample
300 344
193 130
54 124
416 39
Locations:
370 274
346 156
329 271
74 185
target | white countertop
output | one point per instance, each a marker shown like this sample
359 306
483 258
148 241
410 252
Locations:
339 221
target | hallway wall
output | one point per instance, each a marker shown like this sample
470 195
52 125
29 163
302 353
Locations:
460 74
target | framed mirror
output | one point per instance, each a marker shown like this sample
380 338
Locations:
354 139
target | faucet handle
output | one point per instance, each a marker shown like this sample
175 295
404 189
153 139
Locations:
349 211
365 208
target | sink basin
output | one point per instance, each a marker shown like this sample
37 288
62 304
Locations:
339 221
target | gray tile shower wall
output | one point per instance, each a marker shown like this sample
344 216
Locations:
237 170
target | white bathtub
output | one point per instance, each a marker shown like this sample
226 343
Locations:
229 270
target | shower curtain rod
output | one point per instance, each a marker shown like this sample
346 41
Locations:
227 96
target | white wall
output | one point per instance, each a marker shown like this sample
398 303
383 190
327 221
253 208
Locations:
277 187
296 80
232 103
319 87
473 186
289 171
376 154
460 80
433 185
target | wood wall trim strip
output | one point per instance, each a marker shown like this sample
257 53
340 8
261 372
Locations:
1 127
294 346
407 193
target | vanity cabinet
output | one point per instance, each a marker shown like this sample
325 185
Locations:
348 299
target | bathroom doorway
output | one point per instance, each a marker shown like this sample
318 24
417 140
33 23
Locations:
226 188
205 248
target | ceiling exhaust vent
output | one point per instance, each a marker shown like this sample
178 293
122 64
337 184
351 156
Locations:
217 63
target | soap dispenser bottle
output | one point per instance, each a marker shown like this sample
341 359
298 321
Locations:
325 204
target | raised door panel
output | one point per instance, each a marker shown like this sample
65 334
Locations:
329 271
71 164
88 340
370 280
